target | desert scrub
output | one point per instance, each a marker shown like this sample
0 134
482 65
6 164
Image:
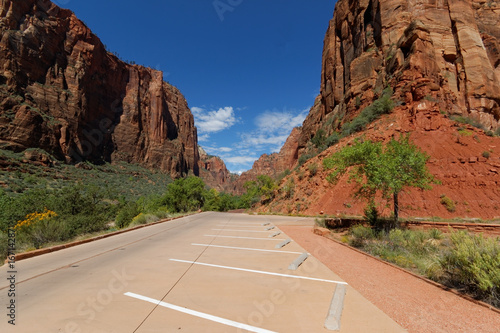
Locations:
473 263
361 235
313 169
321 222
448 203
470 263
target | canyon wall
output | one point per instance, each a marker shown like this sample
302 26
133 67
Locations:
62 91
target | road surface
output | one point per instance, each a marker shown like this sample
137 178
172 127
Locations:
210 272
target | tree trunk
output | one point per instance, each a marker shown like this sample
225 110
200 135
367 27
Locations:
396 209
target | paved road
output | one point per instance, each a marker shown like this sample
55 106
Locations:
210 272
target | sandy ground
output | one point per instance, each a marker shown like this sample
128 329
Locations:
416 305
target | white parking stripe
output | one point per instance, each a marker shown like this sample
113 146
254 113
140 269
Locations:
240 230
246 248
255 238
200 314
239 226
259 272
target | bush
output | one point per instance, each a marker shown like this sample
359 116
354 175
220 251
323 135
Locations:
448 203
126 215
486 154
144 219
305 157
372 216
361 235
4 246
313 169
381 106
473 263
468 121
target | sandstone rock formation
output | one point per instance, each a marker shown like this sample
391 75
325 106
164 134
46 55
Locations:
215 174
440 50
273 165
442 59
60 90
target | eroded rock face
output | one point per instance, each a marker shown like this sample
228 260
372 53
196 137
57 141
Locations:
215 174
63 92
440 50
273 165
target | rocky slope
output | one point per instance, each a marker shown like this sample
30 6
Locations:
442 59
272 165
61 91
215 174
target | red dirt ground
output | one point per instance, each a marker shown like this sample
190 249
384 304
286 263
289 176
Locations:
416 305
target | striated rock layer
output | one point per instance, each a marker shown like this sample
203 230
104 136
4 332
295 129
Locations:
60 90
442 50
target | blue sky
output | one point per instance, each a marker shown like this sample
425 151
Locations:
249 69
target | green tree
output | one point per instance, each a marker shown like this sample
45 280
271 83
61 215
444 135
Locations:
185 194
388 169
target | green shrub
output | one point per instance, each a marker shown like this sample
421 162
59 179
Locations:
126 215
144 219
381 106
468 121
448 203
4 246
473 262
305 157
332 139
486 154
360 235
319 139
313 169
372 216
321 222
435 234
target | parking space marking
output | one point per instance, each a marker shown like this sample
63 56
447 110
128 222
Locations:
240 230
246 248
200 314
239 237
239 226
259 272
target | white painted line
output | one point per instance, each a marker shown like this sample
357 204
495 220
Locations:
259 272
283 244
239 226
297 262
240 230
236 237
275 234
332 321
200 314
245 248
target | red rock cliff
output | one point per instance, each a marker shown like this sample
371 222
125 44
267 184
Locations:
444 50
63 92
441 58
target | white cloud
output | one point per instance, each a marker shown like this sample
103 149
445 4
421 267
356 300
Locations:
273 128
240 160
213 121
203 138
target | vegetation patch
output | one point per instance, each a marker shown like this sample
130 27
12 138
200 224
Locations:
383 105
448 203
469 263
